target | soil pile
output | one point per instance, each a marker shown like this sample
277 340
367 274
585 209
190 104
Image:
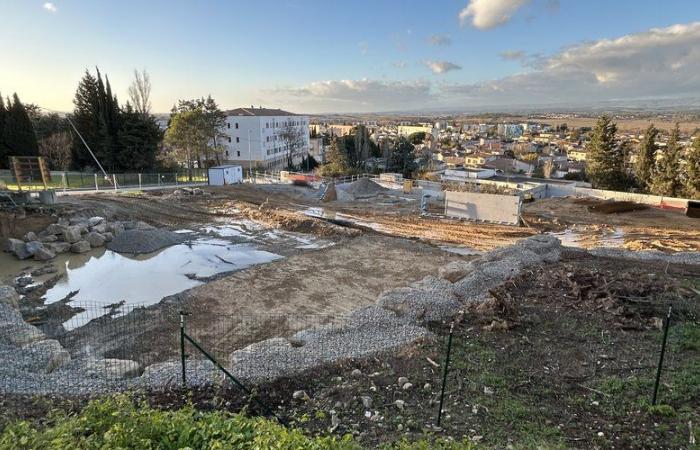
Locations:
364 187
144 241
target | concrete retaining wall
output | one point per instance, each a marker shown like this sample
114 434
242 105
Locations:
558 190
483 207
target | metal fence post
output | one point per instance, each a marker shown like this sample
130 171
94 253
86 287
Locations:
114 181
158 179
444 373
175 178
64 181
97 188
140 181
182 349
661 356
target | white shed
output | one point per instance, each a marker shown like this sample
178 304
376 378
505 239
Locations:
223 175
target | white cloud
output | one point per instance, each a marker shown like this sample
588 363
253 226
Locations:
354 95
512 55
485 14
440 67
439 39
50 7
658 63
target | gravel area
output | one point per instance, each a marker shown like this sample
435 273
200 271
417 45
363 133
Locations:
138 241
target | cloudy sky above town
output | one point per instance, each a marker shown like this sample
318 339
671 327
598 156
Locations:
360 56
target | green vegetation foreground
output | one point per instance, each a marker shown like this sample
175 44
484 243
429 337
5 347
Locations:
118 422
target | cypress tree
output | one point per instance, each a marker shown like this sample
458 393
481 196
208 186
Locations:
139 137
85 117
692 171
606 161
18 136
4 163
646 157
666 178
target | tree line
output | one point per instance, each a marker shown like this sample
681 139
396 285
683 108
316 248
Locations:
122 138
671 171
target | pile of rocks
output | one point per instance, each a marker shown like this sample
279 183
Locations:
77 235
34 363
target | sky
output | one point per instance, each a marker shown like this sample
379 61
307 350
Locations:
315 56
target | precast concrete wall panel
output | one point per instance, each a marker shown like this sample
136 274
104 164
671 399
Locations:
483 207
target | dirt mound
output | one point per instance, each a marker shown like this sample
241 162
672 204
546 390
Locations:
364 187
617 207
144 241
293 221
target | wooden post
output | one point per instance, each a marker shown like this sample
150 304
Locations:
97 188
114 181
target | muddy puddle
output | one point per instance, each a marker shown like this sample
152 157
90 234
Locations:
109 277
585 238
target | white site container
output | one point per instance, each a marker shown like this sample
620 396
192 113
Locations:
223 175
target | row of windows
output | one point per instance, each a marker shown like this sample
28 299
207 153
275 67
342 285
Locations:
293 123
276 150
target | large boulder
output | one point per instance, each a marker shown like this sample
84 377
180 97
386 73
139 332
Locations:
14 330
48 238
94 221
59 247
43 254
80 247
72 234
95 239
44 356
99 228
17 247
34 246
8 296
55 229
30 236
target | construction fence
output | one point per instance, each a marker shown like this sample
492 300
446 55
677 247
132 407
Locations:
84 181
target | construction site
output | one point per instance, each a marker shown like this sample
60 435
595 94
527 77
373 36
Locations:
334 299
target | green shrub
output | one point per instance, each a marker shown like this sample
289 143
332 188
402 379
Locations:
119 423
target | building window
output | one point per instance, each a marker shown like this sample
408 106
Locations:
267 124
229 139
238 153
238 139
226 153
236 125
228 125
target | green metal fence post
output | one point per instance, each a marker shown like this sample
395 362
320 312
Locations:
444 373
182 349
661 356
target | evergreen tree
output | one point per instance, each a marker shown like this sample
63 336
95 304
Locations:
139 139
18 136
4 163
86 118
692 171
606 160
667 176
403 158
646 157
336 161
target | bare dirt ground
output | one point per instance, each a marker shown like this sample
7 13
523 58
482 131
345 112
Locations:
653 228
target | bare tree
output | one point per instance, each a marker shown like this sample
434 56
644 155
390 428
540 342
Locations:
56 148
140 92
293 138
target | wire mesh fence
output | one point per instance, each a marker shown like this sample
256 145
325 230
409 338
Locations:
71 348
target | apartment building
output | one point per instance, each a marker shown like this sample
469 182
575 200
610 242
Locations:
255 137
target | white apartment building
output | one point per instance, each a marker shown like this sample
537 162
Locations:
253 137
